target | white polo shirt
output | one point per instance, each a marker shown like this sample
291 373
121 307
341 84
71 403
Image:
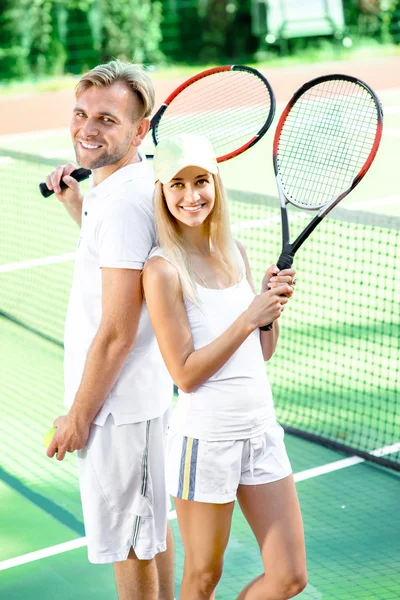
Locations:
117 231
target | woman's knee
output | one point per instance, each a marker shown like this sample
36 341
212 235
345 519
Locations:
292 584
204 578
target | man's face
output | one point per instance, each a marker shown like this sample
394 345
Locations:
103 129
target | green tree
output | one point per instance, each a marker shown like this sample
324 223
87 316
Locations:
131 30
80 45
190 32
241 44
394 21
46 52
216 25
13 53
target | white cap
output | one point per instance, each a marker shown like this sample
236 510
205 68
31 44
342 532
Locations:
177 152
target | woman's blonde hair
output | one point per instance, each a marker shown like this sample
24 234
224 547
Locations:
132 76
171 241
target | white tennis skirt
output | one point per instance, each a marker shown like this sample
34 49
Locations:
212 471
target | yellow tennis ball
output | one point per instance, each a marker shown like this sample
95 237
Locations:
49 436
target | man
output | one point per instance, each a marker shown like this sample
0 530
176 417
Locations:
117 388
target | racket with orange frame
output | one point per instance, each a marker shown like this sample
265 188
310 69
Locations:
233 106
325 142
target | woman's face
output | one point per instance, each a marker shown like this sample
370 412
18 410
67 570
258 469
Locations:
190 196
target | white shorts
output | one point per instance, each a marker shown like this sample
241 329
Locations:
122 482
212 471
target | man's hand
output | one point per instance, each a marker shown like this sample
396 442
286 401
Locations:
71 196
70 436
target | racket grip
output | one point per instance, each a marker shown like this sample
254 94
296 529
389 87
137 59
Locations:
78 174
285 261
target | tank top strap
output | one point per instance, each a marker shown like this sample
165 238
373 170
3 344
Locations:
157 251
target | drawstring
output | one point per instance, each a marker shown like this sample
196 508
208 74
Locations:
258 443
251 458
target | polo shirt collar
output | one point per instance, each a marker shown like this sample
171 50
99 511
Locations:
134 171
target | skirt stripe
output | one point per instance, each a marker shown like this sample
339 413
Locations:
187 472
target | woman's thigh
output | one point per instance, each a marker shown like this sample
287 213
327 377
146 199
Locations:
204 528
273 513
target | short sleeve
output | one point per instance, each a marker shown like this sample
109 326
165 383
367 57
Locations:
125 235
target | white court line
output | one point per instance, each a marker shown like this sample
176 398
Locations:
391 132
69 152
32 135
53 550
6 160
373 202
261 223
301 476
385 450
329 468
391 110
388 92
37 262
44 553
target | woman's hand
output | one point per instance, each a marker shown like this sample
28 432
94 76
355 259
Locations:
268 306
274 278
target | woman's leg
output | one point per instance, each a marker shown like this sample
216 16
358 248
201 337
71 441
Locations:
204 529
273 513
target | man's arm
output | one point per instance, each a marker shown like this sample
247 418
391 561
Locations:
70 197
121 308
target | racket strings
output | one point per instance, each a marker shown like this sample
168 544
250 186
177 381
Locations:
230 108
325 141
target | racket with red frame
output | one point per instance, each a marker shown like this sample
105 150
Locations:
233 106
325 142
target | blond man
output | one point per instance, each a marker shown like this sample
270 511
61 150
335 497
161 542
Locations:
117 389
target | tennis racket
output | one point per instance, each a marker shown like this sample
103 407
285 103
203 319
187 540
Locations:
325 142
233 106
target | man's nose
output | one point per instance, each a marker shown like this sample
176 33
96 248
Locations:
90 128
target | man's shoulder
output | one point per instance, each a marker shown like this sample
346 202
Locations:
132 197
138 191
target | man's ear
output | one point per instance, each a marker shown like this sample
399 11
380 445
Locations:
141 129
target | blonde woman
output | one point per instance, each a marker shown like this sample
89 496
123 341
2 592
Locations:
225 442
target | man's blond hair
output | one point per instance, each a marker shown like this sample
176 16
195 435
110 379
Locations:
132 76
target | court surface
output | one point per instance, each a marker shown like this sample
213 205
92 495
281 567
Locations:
350 507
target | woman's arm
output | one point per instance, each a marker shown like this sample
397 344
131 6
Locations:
189 368
269 339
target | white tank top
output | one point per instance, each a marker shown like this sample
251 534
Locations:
236 402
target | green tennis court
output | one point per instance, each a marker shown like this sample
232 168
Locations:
335 379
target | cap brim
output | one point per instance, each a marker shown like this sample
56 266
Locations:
168 174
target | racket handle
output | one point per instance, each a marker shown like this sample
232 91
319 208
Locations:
285 261
78 174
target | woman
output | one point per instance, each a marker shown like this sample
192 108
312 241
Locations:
225 442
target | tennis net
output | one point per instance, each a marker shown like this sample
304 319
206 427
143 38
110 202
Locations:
335 374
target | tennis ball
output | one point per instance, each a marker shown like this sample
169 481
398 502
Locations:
49 436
